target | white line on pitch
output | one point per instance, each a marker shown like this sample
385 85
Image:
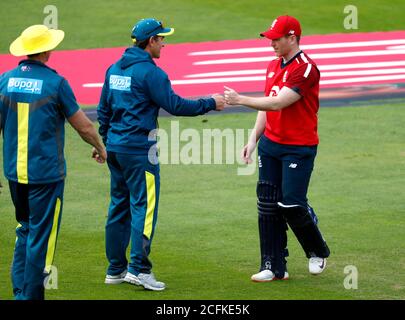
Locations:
226 73
361 65
261 78
93 85
362 72
249 79
325 67
364 79
313 56
396 47
303 47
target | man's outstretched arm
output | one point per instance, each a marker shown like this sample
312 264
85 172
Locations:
285 98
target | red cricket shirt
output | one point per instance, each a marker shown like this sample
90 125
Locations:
296 124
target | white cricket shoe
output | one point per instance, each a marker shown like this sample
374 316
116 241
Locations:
149 282
316 265
267 276
119 278
132 279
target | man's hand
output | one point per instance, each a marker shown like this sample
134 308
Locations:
231 96
219 102
247 151
99 155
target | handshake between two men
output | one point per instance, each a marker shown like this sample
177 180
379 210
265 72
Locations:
230 97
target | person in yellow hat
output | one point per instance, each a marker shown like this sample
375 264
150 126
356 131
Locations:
34 103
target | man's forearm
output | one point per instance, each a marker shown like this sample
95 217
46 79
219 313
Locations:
285 98
261 104
259 127
89 135
85 129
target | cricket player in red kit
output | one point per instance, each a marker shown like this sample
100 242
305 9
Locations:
286 129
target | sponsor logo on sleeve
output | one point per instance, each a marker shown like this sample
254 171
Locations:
120 83
24 85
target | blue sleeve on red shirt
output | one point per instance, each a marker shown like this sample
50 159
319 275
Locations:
303 77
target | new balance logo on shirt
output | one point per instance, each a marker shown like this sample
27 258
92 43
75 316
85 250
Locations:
120 83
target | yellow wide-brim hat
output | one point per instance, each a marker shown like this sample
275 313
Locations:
36 39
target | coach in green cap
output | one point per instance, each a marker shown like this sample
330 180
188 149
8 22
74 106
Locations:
134 90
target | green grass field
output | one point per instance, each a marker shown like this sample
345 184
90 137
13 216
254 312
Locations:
206 244
103 23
